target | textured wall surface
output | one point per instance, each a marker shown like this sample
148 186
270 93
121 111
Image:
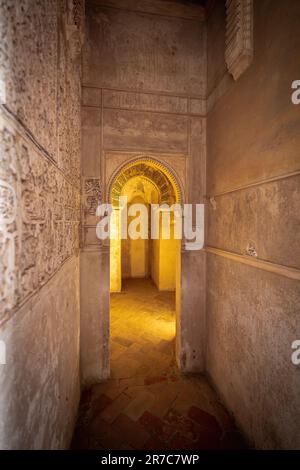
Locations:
40 381
40 216
145 52
39 226
253 174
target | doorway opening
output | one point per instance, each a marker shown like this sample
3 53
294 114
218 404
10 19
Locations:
144 270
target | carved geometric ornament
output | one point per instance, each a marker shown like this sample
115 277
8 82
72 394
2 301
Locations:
239 36
92 195
153 173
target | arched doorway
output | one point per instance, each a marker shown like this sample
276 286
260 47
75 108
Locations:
144 271
96 261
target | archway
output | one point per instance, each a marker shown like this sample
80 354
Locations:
145 266
95 274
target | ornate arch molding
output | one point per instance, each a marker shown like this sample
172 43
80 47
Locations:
145 178
168 177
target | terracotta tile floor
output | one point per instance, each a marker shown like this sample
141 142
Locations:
147 403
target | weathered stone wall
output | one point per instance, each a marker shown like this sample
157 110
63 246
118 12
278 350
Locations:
143 52
144 85
253 292
39 226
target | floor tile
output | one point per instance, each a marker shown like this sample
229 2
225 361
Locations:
147 404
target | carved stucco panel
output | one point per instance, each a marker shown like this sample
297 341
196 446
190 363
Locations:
30 85
69 88
92 195
90 200
43 93
39 225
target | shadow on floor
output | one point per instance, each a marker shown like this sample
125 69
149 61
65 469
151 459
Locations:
147 404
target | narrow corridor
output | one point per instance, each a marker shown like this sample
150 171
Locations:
147 403
147 140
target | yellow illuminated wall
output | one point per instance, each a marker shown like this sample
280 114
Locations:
164 260
142 258
115 252
135 253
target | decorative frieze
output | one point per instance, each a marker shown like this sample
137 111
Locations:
28 65
91 198
239 36
151 172
39 218
42 89
93 195
69 88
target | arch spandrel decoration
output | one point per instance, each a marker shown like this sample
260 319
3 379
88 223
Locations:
164 178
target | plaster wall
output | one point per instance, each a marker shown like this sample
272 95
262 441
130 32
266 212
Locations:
168 252
40 211
253 289
165 252
135 253
155 262
140 51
